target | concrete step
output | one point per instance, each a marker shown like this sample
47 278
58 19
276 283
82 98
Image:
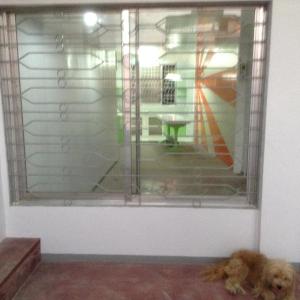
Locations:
18 259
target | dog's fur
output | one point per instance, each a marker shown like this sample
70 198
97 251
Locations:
270 279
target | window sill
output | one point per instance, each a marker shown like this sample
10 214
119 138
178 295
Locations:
236 202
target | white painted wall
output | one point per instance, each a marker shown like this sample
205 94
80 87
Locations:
136 231
280 223
2 215
196 232
3 194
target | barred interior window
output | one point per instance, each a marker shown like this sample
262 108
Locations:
168 86
84 99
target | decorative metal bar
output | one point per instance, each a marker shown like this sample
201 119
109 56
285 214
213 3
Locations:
12 88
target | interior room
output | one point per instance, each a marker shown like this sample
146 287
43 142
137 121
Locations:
142 141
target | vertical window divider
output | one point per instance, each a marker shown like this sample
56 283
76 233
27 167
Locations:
12 102
257 90
126 104
137 107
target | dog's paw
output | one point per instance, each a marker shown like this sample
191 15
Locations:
234 288
256 292
240 290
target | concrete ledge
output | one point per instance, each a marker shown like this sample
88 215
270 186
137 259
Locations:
18 259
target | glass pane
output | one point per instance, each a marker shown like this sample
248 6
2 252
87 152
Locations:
70 75
205 58
154 101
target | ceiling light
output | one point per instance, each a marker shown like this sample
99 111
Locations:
149 56
173 77
90 19
223 60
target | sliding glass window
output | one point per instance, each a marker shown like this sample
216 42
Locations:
146 106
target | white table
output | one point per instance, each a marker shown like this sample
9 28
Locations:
175 122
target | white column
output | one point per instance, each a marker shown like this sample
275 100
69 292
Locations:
280 210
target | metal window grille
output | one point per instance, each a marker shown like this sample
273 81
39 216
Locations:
168 85
150 84
83 101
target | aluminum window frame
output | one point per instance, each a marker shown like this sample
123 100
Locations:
131 198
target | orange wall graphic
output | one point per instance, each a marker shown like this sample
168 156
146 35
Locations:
223 85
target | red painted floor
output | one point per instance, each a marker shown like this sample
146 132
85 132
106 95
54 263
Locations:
110 281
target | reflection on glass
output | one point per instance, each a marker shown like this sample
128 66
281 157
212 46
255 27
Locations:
158 108
72 101
190 81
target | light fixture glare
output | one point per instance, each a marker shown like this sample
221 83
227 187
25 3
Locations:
173 77
90 19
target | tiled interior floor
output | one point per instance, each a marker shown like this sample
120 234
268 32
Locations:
112 281
178 170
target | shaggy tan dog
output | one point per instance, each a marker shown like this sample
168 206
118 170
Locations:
270 279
